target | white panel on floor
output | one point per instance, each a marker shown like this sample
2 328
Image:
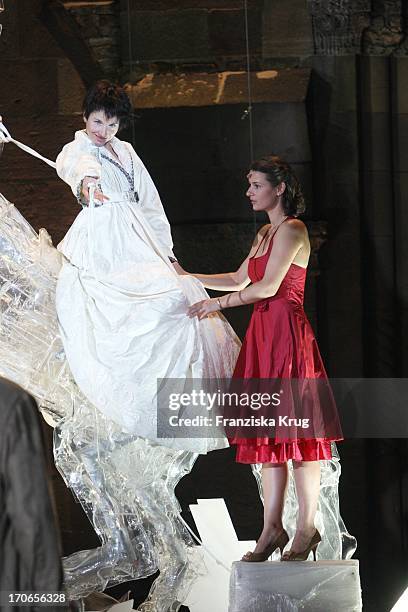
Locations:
402 603
210 591
322 586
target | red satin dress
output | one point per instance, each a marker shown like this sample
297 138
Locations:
280 344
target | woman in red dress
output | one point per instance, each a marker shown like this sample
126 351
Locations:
279 344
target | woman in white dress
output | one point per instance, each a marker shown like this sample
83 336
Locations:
121 304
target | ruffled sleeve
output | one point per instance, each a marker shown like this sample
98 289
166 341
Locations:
74 163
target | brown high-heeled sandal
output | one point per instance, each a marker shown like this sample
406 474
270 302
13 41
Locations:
279 542
292 555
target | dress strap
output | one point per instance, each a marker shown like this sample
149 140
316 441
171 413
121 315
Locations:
271 236
259 245
278 226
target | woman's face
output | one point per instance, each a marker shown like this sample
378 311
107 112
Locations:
262 194
100 129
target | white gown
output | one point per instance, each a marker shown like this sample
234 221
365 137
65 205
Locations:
121 306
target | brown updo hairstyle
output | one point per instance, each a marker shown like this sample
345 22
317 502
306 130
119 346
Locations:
278 171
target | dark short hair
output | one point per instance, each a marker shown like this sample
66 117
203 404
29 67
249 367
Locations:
278 171
109 98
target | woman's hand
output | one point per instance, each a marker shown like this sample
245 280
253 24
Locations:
179 269
204 308
98 195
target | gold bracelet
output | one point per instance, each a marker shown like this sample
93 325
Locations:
219 303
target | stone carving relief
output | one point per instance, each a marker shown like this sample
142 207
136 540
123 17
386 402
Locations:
385 33
338 24
372 27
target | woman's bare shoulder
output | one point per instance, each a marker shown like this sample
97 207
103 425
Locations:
295 227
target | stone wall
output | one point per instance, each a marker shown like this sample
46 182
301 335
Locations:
150 36
100 27
191 33
40 101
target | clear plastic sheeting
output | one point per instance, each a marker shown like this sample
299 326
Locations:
126 486
336 542
31 352
125 483
324 586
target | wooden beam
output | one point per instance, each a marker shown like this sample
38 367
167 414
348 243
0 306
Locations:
67 34
86 3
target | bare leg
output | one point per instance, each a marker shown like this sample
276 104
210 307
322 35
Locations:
274 484
307 482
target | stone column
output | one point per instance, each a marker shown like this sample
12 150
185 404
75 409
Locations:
333 129
377 222
400 188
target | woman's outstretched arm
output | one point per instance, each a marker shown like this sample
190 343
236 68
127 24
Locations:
288 241
78 167
231 281
228 281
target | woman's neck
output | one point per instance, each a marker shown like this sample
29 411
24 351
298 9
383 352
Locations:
276 216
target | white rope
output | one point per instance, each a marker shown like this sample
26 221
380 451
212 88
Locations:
248 112
91 228
131 64
5 136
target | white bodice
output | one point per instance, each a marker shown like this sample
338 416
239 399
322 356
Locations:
119 181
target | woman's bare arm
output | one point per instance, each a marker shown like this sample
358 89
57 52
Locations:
290 238
232 281
287 243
